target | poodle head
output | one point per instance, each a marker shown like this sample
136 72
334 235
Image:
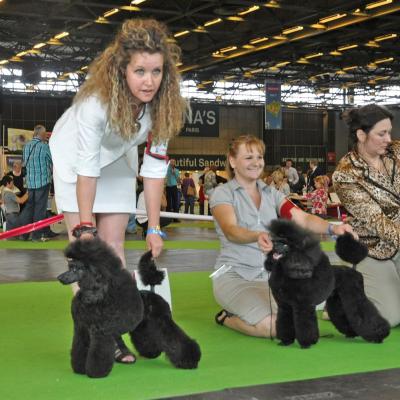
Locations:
93 265
295 250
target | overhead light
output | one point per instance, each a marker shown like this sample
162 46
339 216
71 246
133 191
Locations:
101 20
335 53
218 54
2 62
249 10
22 53
386 37
39 45
372 43
382 78
292 30
371 65
235 18
280 37
313 55
340 72
273 69
258 40
331 18
129 8
359 13
272 4
61 35
200 29
257 70
84 68
178 64
182 33
136 2
347 47
213 22
111 12
229 48
248 46
282 64
206 82
350 68
381 3
380 61
318 26
302 61
54 42
228 77
16 59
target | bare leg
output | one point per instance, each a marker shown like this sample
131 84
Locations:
265 328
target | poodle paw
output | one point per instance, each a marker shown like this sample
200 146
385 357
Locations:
285 342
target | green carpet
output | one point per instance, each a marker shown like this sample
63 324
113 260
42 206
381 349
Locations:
36 332
130 245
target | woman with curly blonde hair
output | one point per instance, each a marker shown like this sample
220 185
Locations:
131 96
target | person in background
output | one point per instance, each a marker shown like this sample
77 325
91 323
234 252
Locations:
131 96
314 171
202 197
173 180
210 182
280 182
142 220
367 181
242 209
189 193
12 202
291 175
319 196
18 176
38 162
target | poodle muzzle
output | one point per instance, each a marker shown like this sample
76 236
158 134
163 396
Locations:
74 273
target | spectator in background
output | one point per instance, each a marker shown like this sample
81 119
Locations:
210 182
280 182
291 175
12 202
38 163
173 181
189 193
18 176
314 171
319 196
202 196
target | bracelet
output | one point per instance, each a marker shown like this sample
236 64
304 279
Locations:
80 229
329 231
157 230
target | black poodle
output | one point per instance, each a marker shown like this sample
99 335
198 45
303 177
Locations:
108 304
302 277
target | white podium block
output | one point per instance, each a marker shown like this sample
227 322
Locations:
163 290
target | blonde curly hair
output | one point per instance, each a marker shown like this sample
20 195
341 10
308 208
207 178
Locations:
106 79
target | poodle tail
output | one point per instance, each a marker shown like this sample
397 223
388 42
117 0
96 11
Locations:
350 249
148 272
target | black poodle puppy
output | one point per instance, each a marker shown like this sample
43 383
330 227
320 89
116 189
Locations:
158 332
108 304
349 309
301 278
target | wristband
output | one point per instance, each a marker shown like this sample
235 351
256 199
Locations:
80 229
157 230
329 231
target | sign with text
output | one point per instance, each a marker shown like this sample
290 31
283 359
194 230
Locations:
197 162
202 121
273 105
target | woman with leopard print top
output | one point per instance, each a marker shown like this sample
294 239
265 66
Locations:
367 181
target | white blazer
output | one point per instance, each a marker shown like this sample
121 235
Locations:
83 142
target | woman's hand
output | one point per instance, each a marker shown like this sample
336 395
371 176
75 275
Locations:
342 229
154 243
264 242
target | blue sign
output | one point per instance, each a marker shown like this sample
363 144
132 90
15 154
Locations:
273 105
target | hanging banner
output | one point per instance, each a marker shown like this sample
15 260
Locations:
202 121
193 162
273 105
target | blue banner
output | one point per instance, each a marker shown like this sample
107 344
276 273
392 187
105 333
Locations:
273 105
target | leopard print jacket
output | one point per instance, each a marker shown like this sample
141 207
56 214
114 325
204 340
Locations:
372 200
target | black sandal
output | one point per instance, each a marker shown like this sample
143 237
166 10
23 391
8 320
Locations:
220 321
121 351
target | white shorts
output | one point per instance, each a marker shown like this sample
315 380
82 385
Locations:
115 190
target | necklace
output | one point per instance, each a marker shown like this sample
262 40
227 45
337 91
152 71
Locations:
140 116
